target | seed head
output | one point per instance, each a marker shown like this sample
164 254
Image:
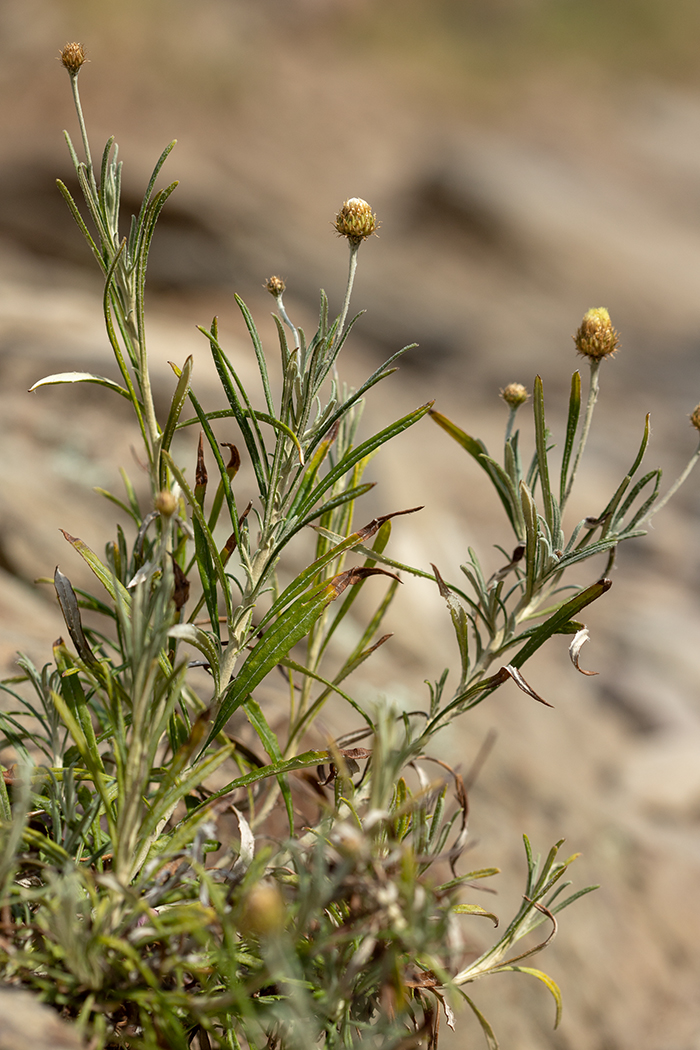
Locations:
695 417
596 337
275 286
356 221
73 56
514 395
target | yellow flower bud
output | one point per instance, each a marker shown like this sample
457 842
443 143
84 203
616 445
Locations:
514 394
356 220
73 56
166 503
263 910
596 337
695 417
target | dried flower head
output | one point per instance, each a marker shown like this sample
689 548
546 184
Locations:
73 56
275 286
695 417
596 337
356 221
514 394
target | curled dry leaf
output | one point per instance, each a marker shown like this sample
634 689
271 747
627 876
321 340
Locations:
355 575
580 638
247 853
372 527
514 673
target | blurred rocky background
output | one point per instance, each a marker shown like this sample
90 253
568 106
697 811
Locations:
528 159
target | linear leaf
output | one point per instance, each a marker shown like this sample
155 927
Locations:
353 456
541 444
491 1041
60 378
259 353
178 400
284 634
562 616
571 425
269 741
545 978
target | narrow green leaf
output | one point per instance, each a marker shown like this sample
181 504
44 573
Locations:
284 634
259 353
541 444
258 455
269 741
212 548
341 545
80 222
474 909
609 512
541 976
303 761
491 1041
277 424
633 493
478 450
555 622
379 544
80 377
331 687
178 400
354 455
188 632
167 798
149 189
103 574
118 503
571 425
223 473
503 484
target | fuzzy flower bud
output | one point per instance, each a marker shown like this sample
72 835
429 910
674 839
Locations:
356 221
263 910
166 503
514 395
695 417
73 56
275 286
596 337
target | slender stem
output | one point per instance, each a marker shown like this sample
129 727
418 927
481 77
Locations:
285 318
354 247
592 398
83 130
511 420
674 487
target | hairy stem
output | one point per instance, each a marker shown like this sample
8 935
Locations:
673 489
592 398
83 131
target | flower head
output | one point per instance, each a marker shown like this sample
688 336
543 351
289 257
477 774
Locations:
356 221
275 286
596 338
695 417
514 395
73 56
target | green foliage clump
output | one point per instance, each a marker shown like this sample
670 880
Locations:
164 879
